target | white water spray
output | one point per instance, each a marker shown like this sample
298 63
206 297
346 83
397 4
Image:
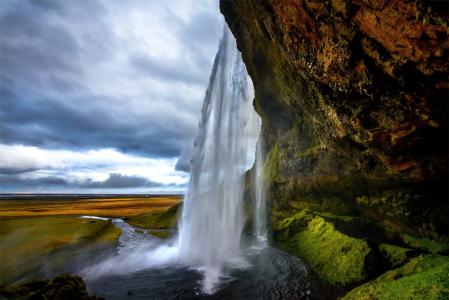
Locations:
260 209
212 219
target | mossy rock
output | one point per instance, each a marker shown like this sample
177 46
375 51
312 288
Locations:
291 224
337 258
65 287
424 277
424 244
162 220
396 255
311 151
271 167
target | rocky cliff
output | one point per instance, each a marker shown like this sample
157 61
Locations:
354 101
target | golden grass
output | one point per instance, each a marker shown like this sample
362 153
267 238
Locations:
113 207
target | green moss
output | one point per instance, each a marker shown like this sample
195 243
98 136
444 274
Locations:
333 217
271 168
322 205
424 277
311 151
391 203
162 220
281 221
425 244
286 226
396 255
335 257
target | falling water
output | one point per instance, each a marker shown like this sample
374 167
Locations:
260 215
212 219
211 225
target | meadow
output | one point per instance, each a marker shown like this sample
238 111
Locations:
42 236
102 207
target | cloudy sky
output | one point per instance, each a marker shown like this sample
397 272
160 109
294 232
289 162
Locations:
101 95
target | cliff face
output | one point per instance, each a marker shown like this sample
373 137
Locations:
354 100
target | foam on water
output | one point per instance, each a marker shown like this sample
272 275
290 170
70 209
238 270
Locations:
95 218
137 251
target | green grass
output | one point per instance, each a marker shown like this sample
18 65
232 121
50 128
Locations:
163 234
47 233
26 243
161 220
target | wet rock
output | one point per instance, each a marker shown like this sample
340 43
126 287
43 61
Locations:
63 287
424 277
353 97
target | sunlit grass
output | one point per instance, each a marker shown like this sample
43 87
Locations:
27 243
114 207
39 233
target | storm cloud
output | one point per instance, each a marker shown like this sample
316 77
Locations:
82 75
114 181
97 74
121 181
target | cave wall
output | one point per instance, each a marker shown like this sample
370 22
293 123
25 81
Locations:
354 101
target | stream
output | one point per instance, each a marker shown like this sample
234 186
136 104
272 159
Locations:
209 257
140 269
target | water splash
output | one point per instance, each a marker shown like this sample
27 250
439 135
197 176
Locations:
210 229
137 250
212 219
260 208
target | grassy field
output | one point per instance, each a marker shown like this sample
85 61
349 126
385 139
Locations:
30 244
38 234
112 207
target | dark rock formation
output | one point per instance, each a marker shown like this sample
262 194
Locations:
354 100
63 287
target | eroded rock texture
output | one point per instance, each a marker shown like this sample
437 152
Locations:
354 100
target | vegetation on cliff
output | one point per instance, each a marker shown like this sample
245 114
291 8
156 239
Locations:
337 258
353 99
350 252
424 277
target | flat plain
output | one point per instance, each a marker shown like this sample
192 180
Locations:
37 235
102 207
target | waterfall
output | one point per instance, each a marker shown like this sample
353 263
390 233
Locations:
211 225
260 215
212 220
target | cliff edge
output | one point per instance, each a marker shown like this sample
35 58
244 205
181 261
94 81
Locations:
354 101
